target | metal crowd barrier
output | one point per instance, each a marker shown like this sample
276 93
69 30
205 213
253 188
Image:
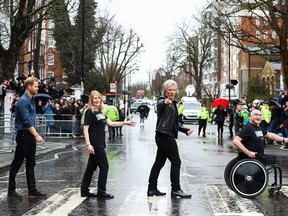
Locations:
60 126
7 134
63 126
41 129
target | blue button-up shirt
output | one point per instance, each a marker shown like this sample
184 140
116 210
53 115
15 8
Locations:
25 113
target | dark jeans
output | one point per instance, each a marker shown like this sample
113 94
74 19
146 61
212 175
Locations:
167 148
111 131
202 124
25 148
99 159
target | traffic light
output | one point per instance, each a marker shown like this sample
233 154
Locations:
234 82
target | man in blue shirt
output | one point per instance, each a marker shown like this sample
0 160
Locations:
26 138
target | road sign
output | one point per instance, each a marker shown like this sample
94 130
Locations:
190 89
112 87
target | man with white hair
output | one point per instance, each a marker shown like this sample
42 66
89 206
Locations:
167 128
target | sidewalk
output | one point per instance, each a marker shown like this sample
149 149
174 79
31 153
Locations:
50 146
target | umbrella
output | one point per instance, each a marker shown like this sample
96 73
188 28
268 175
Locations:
85 98
220 102
278 90
235 101
274 102
284 99
42 96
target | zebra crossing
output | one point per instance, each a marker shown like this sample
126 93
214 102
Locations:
222 201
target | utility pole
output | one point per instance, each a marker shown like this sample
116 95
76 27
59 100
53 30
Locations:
82 45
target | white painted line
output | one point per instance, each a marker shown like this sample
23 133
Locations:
284 190
49 181
61 203
223 201
138 204
3 195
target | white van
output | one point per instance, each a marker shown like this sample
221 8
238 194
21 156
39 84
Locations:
191 108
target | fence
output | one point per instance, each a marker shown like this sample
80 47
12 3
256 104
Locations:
64 125
47 126
7 134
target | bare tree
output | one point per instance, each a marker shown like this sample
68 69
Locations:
259 23
18 20
118 51
191 50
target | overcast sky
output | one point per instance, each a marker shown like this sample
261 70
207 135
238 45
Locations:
153 21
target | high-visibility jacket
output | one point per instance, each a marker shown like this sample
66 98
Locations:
204 114
180 109
266 113
112 113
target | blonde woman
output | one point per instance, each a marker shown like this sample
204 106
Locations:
94 133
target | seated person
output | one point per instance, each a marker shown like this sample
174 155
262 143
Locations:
251 140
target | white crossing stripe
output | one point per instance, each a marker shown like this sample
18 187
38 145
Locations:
225 202
137 204
284 190
61 203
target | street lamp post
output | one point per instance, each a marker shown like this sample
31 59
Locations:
229 90
82 45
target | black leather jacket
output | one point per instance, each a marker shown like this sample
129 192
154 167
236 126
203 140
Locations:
167 121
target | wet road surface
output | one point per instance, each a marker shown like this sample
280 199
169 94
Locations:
130 159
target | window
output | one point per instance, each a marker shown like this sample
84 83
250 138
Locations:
258 34
50 74
51 24
257 21
51 59
50 40
266 35
274 35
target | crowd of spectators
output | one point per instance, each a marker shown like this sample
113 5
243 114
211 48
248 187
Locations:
60 109
274 113
61 106
62 101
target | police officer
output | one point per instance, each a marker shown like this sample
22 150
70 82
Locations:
180 112
112 113
203 116
266 115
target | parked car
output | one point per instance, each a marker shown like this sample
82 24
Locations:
134 107
191 109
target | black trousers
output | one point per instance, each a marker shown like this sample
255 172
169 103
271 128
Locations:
99 159
167 148
220 126
25 149
231 124
202 124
